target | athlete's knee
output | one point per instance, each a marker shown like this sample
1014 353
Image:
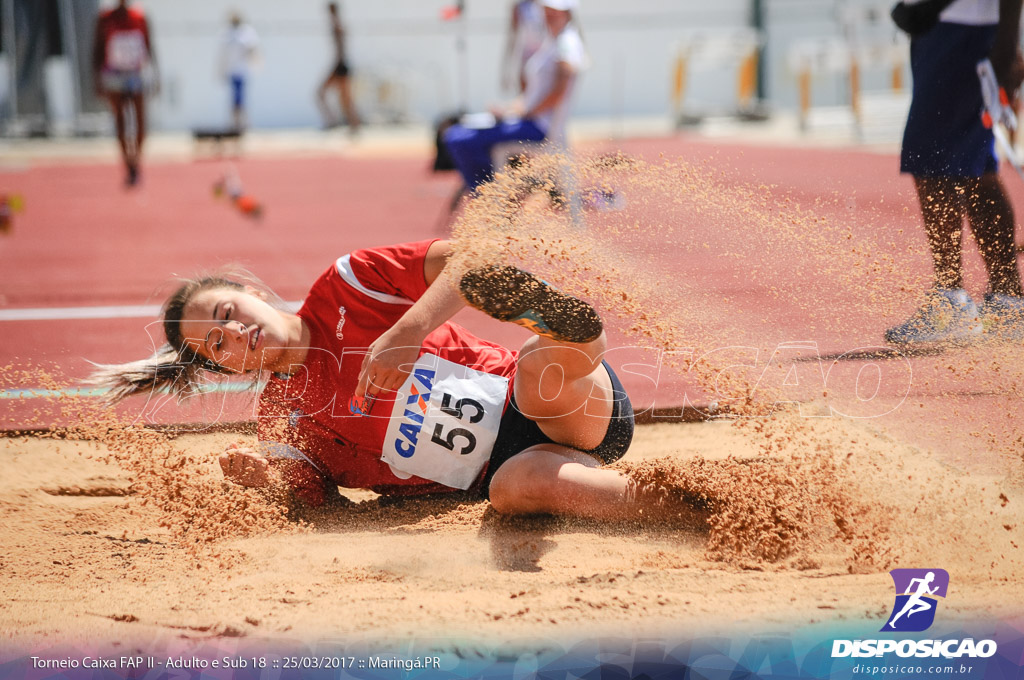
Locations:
525 483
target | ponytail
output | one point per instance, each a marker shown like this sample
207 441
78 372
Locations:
165 371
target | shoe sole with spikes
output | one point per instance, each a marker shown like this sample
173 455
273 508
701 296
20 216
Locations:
516 296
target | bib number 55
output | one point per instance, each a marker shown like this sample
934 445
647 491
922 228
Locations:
458 411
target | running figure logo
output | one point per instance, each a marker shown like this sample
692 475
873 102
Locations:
916 592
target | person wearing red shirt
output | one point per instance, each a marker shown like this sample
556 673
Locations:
371 386
122 52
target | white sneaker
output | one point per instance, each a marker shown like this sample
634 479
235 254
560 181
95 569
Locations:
1002 317
947 316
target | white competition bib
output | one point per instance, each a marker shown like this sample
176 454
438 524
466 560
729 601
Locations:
444 422
126 50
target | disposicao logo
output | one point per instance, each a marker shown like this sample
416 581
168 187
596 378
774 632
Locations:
916 593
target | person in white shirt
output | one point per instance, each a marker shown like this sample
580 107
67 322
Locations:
541 111
239 51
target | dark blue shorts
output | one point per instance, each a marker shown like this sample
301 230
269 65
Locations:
944 136
470 148
518 433
237 92
123 82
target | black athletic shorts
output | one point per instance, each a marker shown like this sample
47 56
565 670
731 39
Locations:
518 433
340 70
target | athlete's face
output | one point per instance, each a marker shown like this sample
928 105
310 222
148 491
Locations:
235 328
556 19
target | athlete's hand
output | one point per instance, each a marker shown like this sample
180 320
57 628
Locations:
515 109
243 465
388 362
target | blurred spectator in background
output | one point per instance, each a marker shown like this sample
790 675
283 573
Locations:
951 155
540 113
339 78
121 54
239 52
526 30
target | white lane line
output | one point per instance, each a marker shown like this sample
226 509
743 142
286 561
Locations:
103 312
91 392
66 313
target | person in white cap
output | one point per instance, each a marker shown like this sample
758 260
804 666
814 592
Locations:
540 112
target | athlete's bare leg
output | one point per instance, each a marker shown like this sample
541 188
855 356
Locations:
558 480
321 102
344 85
990 215
943 212
239 119
562 385
565 389
117 106
125 106
139 102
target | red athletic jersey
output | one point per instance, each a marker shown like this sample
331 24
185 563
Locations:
122 40
358 298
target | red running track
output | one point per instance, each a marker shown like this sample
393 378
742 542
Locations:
84 241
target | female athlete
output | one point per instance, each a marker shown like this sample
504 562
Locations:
369 385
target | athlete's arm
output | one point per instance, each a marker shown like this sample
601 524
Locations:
152 57
384 367
99 47
439 302
556 93
249 467
435 260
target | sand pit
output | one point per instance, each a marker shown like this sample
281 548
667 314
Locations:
94 556
128 537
